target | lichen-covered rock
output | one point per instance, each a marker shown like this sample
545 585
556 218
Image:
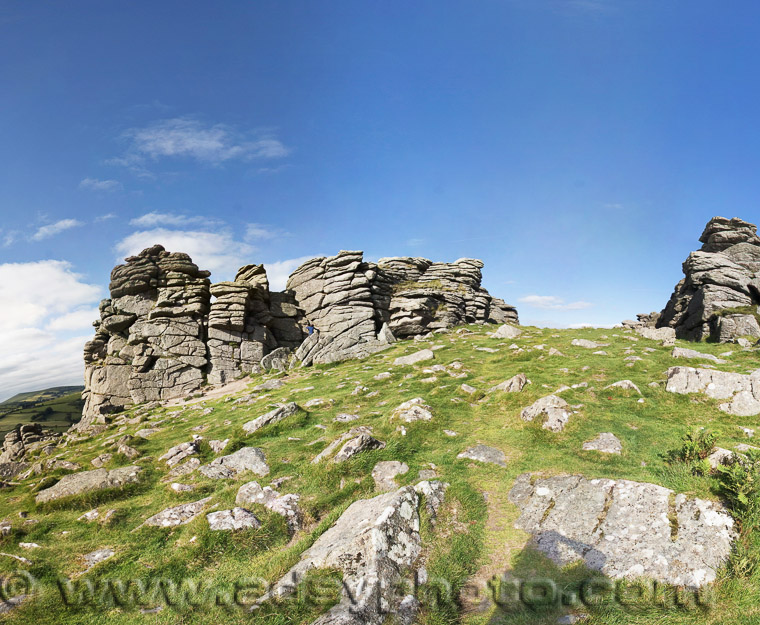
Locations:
413 359
625 529
372 544
245 459
385 472
88 481
231 520
284 505
743 390
553 411
719 296
282 411
25 438
178 515
413 410
606 443
515 384
485 454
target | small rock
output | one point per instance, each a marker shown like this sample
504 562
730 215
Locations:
411 359
483 453
230 520
384 473
606 443
413 410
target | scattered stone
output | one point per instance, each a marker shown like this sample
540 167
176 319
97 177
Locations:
385 472
606 443
343 417
245 459
451 433
146 433
218 446
89 516
680 352
626 385
412 359
96 557
507 331
186 468
587 344
412 410
554 411
178 515
231 520
555 352
269 385
283 411
466 388
181 488
515 384
101 460
625 529
483 453
284 505
178 453
356 445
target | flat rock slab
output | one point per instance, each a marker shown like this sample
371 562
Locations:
412 359
625 385
625 529
681 352
88 481
230 520
385 473
606 442
587 344
743 390
486 454
245 459
96 557
178 515
373 543
283 411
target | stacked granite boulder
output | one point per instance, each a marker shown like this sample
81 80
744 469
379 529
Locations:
719 297
160 336
25 438
150 341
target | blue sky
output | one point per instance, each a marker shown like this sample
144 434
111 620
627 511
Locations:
577 146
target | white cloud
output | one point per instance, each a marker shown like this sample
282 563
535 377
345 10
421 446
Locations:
105 217
52 229
93 184
219 252
9 238
149 220
42 334
190 139
261 231
279 272
552 302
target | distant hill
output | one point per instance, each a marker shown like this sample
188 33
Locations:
56 407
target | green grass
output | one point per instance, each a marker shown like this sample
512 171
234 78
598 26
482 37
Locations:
474 540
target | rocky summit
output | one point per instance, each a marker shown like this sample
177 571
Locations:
166 330
719 296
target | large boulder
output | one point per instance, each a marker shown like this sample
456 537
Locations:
373 543
742 389
625 529
720 293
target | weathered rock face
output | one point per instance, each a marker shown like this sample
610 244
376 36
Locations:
625 529
719 297
150 340
166 330
25 438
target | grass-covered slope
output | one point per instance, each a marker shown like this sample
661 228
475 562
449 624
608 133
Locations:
57 408
474 538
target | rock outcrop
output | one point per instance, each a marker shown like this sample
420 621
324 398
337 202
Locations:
24 438
166 330
719 297
625 529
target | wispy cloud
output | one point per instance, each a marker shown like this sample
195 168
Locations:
45 232
258 232
152 219
552 302
93 184
189 139
105 217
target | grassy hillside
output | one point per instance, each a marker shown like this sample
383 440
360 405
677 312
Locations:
57 408
474 539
